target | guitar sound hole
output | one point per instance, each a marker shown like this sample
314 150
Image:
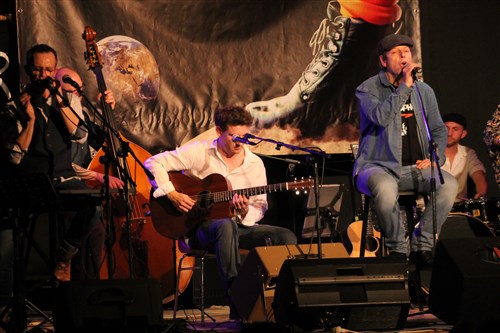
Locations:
371 244
204 200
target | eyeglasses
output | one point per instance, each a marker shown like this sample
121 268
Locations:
36 69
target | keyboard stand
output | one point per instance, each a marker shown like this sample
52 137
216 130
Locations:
24 197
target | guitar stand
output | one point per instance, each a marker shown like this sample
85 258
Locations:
24 197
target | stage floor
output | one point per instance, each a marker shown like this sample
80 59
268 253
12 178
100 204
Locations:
217 320
417 321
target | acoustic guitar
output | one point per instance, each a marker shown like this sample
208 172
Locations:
354 231
212 198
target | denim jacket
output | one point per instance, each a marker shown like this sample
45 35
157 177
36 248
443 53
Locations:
380 104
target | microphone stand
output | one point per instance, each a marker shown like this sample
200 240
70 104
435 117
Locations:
55 91
127 179
434 163
291 166
124 145
312 152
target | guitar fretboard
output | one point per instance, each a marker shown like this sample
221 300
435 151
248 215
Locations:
224 196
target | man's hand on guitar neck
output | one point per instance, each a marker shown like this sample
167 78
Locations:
181 201
240 205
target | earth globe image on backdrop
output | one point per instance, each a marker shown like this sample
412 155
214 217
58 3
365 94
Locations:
130 69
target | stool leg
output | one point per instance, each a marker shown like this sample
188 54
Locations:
177 293
383 249
202 268
364 227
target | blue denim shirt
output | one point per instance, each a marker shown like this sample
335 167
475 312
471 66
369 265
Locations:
380 104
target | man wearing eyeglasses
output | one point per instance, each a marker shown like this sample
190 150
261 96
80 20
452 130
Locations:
36 131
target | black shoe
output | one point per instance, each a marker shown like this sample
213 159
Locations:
423 260
233 314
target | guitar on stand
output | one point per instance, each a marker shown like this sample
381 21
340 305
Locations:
372 236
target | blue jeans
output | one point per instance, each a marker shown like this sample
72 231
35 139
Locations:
225 237
383 187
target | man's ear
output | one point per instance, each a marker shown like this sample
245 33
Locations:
382 60
464 134
218 130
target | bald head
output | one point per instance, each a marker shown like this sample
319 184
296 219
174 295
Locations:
62 72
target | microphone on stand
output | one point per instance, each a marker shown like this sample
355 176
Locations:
244 140
67 79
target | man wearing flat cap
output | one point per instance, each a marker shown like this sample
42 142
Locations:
393 153
461 161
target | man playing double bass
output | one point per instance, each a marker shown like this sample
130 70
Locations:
242 169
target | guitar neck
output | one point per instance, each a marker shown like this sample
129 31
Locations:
224 196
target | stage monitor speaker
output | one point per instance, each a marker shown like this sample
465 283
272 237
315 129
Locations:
257 276
465 280
131 305
354 293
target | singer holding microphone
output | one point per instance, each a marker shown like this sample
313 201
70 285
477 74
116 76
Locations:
37 130
230 157
393 153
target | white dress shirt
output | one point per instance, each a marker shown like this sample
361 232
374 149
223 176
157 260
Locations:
200 159
464 165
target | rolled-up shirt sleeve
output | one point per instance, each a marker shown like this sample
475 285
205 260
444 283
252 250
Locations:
176 160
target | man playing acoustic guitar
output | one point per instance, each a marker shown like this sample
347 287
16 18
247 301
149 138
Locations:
238 228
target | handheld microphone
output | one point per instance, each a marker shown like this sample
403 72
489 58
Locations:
52 84
49 83
243 140
37 88
67 79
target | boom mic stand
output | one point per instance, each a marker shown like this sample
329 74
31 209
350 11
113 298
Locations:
434 163
55 91
311 159
291 166
123 152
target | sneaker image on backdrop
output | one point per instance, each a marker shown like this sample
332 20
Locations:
342 48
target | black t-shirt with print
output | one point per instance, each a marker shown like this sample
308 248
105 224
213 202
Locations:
411 150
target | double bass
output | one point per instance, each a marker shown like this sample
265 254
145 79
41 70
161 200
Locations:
135 249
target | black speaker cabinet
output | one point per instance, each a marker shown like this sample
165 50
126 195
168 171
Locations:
465 280
131 305
354 293
257 276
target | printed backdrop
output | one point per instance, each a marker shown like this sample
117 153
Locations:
170 63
